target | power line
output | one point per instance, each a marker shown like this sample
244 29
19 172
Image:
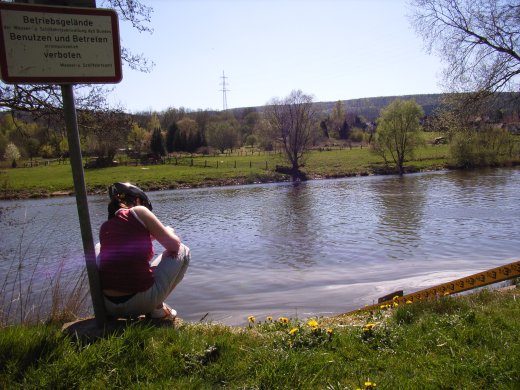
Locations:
224 91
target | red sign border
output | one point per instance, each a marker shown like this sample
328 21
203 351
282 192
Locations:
66 79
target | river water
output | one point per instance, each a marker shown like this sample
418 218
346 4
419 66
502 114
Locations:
297 250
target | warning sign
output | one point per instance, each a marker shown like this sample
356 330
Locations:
44 44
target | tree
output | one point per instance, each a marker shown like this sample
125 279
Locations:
46 151
3 143
189 137
173 129
106 131
153 123
248 122
136 138
251 140
222 135
337 118
63 147
170 115
398 131
264 134
32 147
477 39
11 153
157 143
324 128
344 131
292 120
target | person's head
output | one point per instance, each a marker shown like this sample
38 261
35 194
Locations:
126 195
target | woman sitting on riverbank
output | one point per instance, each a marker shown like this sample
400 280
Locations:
132 283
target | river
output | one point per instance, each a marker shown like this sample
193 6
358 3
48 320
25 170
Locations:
297 250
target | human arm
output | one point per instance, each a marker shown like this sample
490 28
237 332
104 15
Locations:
165 235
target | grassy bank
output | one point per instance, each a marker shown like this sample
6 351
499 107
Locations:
198 171
468 342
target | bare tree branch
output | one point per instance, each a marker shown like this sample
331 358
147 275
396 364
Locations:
293 119
479 40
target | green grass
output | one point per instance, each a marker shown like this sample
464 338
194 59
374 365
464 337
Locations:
207 171
468 342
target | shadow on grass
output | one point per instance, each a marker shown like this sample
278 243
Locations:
88 330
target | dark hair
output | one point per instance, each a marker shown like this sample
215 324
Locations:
113 206
125 194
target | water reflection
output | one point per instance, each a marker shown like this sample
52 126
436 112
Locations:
400 204
289 218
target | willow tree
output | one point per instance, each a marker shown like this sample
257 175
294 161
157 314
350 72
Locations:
398 131
292 121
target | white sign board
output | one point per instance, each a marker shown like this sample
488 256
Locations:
44 44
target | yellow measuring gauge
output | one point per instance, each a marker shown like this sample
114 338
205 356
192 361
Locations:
494 275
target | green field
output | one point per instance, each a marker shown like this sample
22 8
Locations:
198 171
468 342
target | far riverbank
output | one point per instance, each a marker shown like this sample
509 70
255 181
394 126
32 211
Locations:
209 171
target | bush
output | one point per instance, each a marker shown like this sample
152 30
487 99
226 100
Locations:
100 162
357 135
47 151
489 146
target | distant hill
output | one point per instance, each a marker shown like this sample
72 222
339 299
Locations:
507 103
370 108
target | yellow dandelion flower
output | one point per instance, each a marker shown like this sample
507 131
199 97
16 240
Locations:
329 331
293 331
283 320
312 323
369 385
269 318
251 319
396 298
408 302
396 304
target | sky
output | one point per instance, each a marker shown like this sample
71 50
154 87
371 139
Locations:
330 49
